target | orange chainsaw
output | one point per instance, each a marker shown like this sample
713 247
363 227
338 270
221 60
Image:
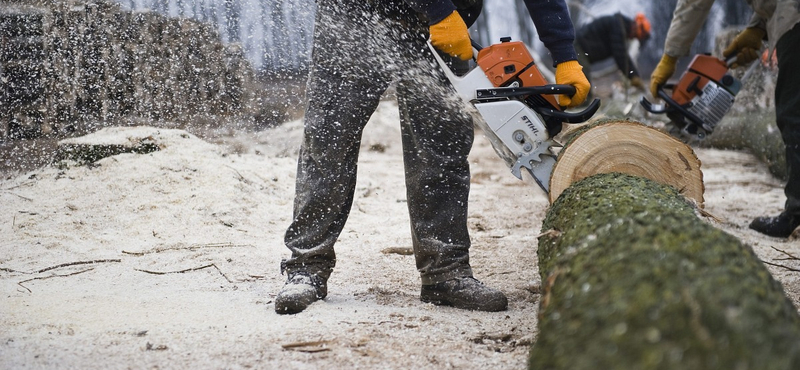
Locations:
702 96
519 110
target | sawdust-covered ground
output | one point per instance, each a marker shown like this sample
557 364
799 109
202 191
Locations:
170 259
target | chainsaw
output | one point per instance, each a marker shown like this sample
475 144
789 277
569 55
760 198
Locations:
702 96
518 109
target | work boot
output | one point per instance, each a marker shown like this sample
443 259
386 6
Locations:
780 226
300 291
465 293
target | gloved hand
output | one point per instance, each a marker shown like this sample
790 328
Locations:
450 35
636 82
662 73
571 73
746 46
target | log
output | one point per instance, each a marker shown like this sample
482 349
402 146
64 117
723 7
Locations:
633 279
755 132
108 142
627 147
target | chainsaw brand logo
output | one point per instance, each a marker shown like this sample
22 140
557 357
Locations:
530 125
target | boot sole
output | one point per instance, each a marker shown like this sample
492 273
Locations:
491 306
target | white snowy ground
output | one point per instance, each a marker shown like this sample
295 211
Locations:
171 259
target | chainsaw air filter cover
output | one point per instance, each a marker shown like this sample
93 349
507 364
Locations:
509 64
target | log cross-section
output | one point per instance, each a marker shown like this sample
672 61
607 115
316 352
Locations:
627 147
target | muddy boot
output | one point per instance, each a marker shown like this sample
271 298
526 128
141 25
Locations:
780 226
300 291
465 293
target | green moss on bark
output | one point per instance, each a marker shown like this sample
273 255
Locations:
89 153
756 132
634 280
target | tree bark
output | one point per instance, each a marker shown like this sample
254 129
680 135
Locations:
632 279
755 132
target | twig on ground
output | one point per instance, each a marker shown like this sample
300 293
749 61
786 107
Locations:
311 347
241 178
175 272
76 263
779 265
189 270
67 264
51 276
190 247
786 253
500 273
26 198
404 251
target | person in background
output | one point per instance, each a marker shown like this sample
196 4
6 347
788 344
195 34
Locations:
360 48
774 21
607 37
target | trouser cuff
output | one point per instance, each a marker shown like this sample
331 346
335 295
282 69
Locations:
290 269
440 277
792 206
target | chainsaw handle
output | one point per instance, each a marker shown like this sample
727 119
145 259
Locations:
681 109
671 106
570 117
567 90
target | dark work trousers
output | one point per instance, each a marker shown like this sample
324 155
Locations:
787 107
359 50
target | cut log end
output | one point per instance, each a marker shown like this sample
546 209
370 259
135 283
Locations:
630 148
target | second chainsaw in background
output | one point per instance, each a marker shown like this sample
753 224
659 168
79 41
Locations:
519 111
703 95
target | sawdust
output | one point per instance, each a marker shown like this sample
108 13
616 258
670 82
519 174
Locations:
170 259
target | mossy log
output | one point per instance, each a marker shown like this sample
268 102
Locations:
633 279
106 143
755 132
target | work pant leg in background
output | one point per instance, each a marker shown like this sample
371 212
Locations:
787 107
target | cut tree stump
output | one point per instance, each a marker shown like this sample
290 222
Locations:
627 147
633 279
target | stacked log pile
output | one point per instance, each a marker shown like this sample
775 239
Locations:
71 65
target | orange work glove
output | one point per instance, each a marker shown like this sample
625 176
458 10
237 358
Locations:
664 70
571 73
450 35
746 46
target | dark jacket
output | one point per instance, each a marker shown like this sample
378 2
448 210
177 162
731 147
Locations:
606 37
550 17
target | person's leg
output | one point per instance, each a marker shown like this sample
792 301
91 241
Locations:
787 109
341 98
437 136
